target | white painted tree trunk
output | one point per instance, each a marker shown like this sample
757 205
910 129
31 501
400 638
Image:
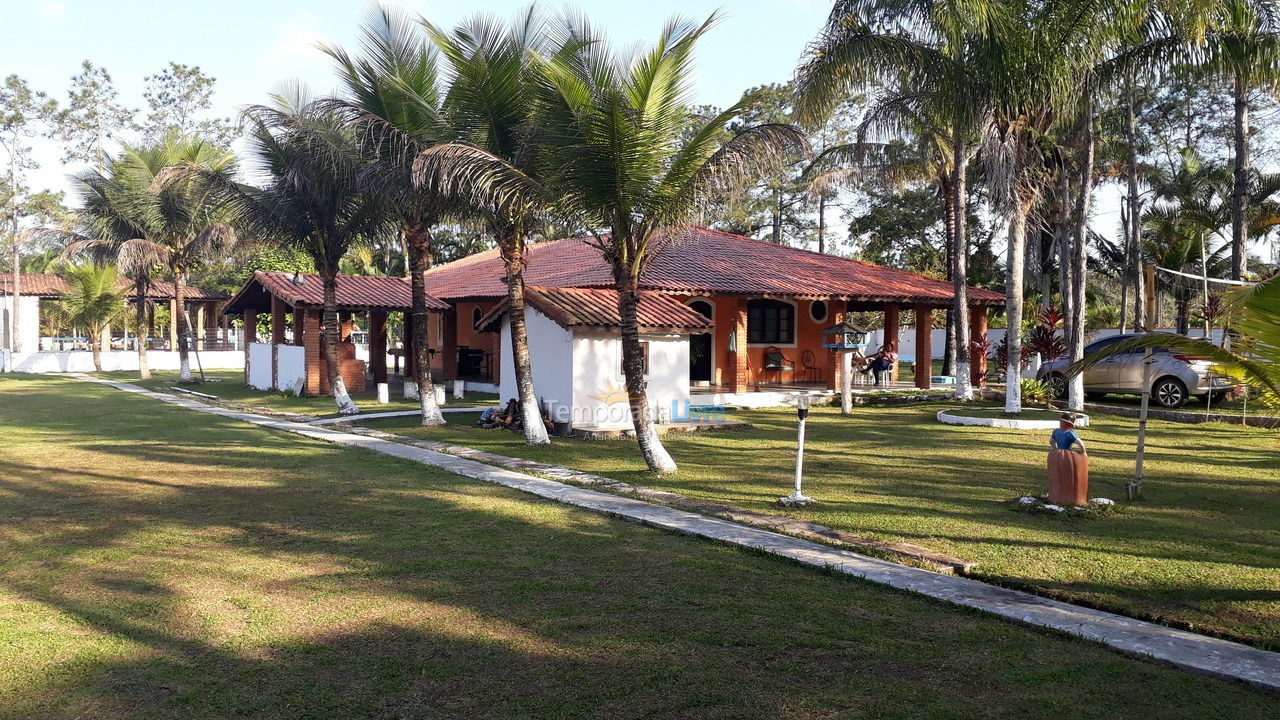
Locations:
410 390
346 406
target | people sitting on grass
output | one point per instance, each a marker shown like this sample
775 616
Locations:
882 361
507 417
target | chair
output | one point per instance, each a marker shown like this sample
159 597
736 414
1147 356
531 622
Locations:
810 372
775 361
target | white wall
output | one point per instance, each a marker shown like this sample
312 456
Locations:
599 389
550 348
938 339
260 366
291 366
51 361
28 320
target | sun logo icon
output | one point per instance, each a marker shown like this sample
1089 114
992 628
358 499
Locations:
611 395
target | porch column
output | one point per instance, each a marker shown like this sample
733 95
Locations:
891 336
378 345
201 309
736 377
410 357
279 320
345 325
978 332
311 349
173 323
250 334
449 346
299 321
835 363
924 346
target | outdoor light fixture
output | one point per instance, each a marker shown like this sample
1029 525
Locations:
798 498
845 336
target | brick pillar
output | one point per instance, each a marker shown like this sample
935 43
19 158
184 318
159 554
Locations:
978 332
378 345
346 325
311 349
410 356
449 346
839 311
924 346
299 315
250 332
736 377
891 336
279 320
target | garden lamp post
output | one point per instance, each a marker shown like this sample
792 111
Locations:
798 498
845 338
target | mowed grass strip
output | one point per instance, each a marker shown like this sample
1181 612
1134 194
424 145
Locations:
1200 550
160 563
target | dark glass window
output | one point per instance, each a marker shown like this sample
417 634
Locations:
818 310
770 322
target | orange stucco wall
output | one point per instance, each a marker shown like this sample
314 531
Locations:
467 335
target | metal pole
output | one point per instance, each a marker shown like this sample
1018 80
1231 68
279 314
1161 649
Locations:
799 457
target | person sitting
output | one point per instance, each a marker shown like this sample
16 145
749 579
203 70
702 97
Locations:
884 359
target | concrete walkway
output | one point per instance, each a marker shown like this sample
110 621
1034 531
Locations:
389 414
1187 650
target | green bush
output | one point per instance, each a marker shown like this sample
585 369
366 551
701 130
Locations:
1035 392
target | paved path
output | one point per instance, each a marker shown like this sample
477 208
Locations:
389 414
1187 650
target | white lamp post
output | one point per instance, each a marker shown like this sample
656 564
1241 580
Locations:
798 498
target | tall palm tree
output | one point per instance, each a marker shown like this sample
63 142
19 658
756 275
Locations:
926 51
1244 46
150 222
490 107
93 299
619 156
392 95
312 200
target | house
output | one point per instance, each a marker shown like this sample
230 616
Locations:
40 354
767 305
576 348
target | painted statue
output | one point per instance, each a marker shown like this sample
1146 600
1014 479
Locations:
1068 467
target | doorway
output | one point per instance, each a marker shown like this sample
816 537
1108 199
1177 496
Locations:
701 346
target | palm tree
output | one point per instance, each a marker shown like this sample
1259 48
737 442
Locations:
93 299
143 222
1244 46
313 199
392 95
493 157
619 156
926 51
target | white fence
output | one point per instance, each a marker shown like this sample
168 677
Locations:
56 361
938 339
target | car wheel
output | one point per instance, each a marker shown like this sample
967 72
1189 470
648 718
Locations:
1057 385
1169 392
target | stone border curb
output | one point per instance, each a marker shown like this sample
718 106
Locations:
1187 650
947 417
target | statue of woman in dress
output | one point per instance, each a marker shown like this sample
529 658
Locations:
1068 467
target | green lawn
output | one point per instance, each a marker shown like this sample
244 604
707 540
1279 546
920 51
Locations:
158 563
1201 550
229 385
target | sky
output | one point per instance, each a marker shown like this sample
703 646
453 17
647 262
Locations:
251 47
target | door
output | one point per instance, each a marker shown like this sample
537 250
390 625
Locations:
701 346
1106 374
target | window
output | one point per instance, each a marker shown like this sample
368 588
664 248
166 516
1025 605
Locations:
770 322
476 315
818 311
703 307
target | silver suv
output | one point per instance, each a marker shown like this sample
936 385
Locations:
1175 378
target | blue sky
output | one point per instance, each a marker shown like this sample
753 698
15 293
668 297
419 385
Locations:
250 47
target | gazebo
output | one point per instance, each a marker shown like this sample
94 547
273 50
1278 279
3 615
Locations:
291 358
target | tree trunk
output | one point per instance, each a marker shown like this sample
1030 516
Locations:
95 346
15 283
1079 258
1240 187
1013 303
179 307
1134 238
143 337
1062 238
960 262
418 243
329 338
512 248
822 224
655 455
777 217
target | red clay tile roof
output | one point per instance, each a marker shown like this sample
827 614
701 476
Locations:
586 307
697 260
355 292
50 286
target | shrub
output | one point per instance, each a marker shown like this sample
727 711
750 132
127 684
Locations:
1035 392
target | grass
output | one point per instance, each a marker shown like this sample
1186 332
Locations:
158 563
229 385
1201 549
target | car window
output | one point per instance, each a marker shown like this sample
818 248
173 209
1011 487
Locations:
1104 342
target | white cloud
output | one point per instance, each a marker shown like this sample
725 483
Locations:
53 9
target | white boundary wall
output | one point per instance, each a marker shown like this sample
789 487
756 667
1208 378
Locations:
260 366
55 361
938 339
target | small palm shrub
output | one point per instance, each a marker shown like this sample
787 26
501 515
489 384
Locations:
1036 392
